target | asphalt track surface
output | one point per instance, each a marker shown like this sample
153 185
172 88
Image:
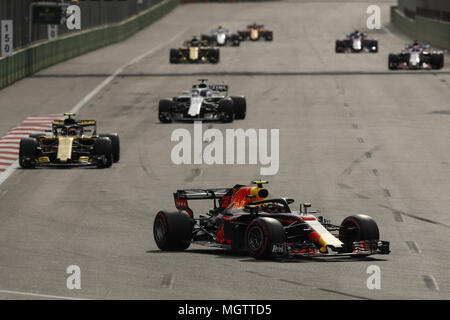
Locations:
354 138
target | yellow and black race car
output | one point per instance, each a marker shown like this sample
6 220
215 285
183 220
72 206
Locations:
195 51
70 143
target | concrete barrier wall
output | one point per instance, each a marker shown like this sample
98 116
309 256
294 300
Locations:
42 55
436 33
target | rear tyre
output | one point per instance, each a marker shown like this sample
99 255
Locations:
28 153
115 141
226 110
268 36
373 46
104 151
165 110
437 61
172 230
357 228
205 37
174 56
240 107
261 236
235 40
393 62
214 55
339 48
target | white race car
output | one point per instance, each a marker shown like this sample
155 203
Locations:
222 37
203 102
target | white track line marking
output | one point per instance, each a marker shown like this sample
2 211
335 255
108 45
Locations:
40 295
42 121
105 82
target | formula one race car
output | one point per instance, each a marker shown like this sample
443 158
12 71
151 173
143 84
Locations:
416 56
203 102
71 143
255 32
222 37
357 42
245 218
195 51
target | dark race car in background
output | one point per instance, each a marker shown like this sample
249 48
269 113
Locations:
70 143
255 32
356 42
195 51
203 102
416 56
244 218
221 37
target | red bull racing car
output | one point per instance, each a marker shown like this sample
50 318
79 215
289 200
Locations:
246 218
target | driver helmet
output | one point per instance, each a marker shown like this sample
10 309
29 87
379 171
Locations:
72 131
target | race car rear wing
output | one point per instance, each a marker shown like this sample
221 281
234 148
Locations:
218 87
200 194
181 197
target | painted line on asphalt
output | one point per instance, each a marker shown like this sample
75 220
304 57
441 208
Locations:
111 77
31 294
413 246
431 282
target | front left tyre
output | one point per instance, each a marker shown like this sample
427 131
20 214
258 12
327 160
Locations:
358 227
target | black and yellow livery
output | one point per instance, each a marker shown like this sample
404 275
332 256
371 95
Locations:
195 51
70 143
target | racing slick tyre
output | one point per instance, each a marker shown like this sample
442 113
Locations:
173 230
28 153
268 36
214 55
165 110
373 46
235 40
104 149
240 107
226 110
115 141
393 62
174 56
356 228
437 61
264 238
339 48
205 37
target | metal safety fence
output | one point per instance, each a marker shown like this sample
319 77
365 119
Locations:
38 56
94 13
